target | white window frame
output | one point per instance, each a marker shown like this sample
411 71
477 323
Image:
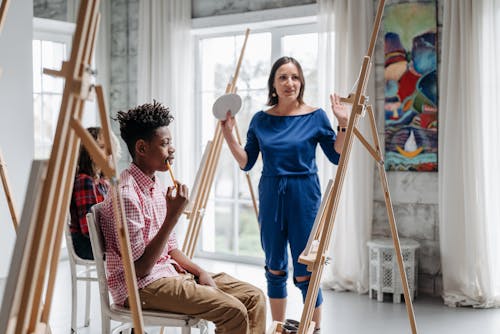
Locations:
63 32
299 20
54 31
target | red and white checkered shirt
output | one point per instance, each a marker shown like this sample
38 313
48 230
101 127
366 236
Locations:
145 209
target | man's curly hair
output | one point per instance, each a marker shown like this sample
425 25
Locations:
141 123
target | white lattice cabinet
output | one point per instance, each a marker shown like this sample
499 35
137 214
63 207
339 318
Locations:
384 271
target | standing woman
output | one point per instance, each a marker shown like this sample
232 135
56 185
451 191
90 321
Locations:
287 135
89 187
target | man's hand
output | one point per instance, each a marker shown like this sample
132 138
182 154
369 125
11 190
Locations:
176 202
206 279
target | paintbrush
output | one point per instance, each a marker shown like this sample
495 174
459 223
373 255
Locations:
171 174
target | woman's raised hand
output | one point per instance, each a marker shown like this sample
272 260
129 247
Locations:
340 111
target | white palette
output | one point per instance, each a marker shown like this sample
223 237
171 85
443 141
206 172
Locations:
227 102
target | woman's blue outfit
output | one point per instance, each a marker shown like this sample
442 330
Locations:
289 190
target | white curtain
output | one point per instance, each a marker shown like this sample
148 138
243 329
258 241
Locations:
345 29
165 63
469 162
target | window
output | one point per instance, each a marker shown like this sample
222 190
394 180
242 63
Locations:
230 225
51 46
47 93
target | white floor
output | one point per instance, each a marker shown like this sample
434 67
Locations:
343 312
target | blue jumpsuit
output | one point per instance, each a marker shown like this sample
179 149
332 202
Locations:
289 190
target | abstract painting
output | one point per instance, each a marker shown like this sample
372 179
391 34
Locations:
411 87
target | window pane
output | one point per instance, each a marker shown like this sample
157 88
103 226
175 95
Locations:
50 110
90 113
249 235
51 105
38 128
244 191
253 101
224 176
37 66
256 62
52 57
224 228
304 48
208 121
208 229
219 57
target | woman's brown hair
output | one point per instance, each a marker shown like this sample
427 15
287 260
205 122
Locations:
85 163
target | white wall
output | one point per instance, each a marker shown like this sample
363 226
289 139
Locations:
16 115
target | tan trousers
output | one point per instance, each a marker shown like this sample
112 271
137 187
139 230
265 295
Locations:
234 307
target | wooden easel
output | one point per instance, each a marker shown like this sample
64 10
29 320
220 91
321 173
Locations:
8 195
39 239
206 172
3 167
3 13
315 253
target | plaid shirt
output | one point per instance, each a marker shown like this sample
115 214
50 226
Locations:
87 191
145 209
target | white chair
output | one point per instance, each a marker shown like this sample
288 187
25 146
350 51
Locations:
87 274
110 311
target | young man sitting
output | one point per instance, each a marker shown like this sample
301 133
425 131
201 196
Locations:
167 279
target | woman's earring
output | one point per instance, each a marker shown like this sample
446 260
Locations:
273 94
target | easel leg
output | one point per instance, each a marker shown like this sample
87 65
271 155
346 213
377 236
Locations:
397 249
8 195
392 223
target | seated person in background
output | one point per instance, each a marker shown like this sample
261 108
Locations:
167 279
89 188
